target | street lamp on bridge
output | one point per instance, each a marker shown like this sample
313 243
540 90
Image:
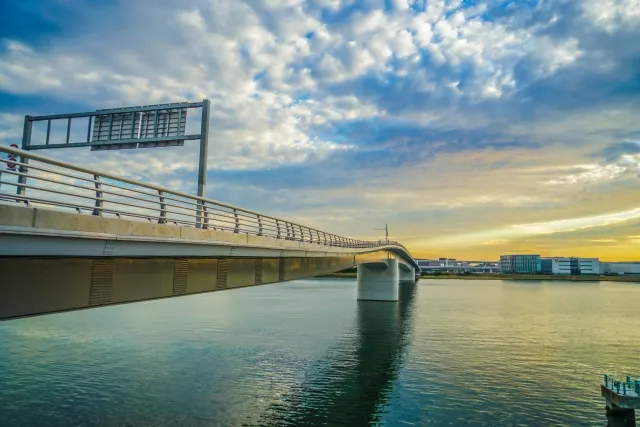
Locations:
386 231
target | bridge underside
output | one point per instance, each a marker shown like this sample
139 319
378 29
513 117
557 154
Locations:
35 286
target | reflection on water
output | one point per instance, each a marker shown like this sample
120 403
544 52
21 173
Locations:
350 384
450 352
619 421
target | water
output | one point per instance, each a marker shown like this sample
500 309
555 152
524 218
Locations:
451 352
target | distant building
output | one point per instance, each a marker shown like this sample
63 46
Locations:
441 262
570 266
589 266
520 264
632 268
451 265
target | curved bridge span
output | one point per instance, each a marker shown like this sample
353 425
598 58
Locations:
73 237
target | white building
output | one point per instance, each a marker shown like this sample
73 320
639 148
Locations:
589 265
570 266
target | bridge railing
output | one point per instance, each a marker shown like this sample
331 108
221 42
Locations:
36 180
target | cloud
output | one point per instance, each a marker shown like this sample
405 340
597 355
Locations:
615 152
591 173
551 227
445 113
612 14
617 160
10 127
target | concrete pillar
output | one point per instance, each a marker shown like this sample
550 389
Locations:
378 281
620 415
406 273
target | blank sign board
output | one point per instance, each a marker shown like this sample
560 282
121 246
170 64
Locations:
139 125
144 126
131 145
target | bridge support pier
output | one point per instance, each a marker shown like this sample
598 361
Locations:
378 281
406 273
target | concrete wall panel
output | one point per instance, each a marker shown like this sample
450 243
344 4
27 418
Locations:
202 274
296 268
30 286
270 270
139 279
292 268
241 272
17 216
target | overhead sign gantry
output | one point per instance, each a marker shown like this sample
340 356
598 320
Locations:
148 126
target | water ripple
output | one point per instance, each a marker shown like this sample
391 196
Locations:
459 353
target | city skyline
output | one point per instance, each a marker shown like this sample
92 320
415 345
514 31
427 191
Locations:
473 129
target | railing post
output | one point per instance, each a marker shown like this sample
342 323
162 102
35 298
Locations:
99 196
293 232
259 225
163 208
301 233
199 206
310 235
278 227
237 227
205 214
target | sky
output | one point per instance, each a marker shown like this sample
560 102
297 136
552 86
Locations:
472 128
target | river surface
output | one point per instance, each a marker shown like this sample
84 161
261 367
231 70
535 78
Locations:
451 352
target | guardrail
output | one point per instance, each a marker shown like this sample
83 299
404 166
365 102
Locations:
38 180
628 387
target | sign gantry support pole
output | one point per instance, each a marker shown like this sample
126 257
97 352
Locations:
26 144
204 148
204 153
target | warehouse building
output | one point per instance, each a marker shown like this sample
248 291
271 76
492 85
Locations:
570 266
620 268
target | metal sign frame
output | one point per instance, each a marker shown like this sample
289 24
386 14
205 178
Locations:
146 126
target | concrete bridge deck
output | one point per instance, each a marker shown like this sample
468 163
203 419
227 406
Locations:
137 241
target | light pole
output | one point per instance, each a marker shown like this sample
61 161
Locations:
386 232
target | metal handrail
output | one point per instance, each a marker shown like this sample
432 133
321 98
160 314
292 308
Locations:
196 211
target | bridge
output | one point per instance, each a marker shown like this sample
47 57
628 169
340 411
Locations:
72 237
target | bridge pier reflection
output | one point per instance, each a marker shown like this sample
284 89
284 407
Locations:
352 387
